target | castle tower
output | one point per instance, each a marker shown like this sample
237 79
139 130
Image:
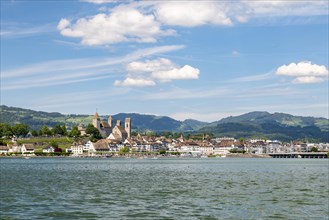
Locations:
128 126
97 121
118 123
110 120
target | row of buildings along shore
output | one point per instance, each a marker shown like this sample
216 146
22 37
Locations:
118 136
139 143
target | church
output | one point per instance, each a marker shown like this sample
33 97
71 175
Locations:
111 131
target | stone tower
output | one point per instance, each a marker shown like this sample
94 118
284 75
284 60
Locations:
128 126
97 121
110 120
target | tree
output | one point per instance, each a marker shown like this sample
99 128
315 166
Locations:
35 133
124 150
314 149
45 131
64 131
75 132
56 130
20 130
6 130
162 151
59 130
93 132
54 144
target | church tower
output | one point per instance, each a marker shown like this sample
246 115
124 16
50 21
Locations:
110 120
128 126
97 121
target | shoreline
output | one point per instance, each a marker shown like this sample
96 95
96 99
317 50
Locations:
260 156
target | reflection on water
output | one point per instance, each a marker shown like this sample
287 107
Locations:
66 188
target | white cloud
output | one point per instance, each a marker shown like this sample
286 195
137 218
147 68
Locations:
130 82
59 72
150 65
161 69
100 1
63 23
303 68
191 14
143 21
285 8
57 66
17 30
304 72
308 79
123 24
186 72
227 13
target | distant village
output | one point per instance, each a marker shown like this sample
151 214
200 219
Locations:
118 139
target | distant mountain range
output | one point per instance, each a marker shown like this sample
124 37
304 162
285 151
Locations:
254 124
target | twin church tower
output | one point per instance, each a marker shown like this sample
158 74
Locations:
111 131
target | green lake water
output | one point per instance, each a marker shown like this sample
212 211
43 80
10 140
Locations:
218 188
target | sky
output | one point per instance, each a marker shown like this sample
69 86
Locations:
204 60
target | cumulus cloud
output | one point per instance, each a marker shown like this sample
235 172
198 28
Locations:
134 82
144 21
191 13
149 72
186 72
150 65
304 72
121 25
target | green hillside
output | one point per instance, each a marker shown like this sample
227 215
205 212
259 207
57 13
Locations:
254 124
258 118
36 119
272 126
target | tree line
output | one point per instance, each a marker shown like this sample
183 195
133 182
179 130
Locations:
22 130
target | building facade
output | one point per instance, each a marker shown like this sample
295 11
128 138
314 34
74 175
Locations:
107 128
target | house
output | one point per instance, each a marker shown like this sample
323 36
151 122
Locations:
100 147
77 148
15 149
27 148
48 149
4 149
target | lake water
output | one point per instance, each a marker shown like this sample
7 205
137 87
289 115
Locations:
219 188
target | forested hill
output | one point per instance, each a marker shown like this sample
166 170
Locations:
273 126
36 119
254 124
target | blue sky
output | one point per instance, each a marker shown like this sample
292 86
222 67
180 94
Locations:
185 59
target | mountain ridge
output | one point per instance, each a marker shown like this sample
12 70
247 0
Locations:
257 123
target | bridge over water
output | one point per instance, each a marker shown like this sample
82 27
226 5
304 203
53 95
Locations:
300 155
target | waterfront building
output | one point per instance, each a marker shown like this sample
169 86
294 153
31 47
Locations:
77 148
48 149
4 149
27 148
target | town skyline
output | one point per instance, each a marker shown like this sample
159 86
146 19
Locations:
146 57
